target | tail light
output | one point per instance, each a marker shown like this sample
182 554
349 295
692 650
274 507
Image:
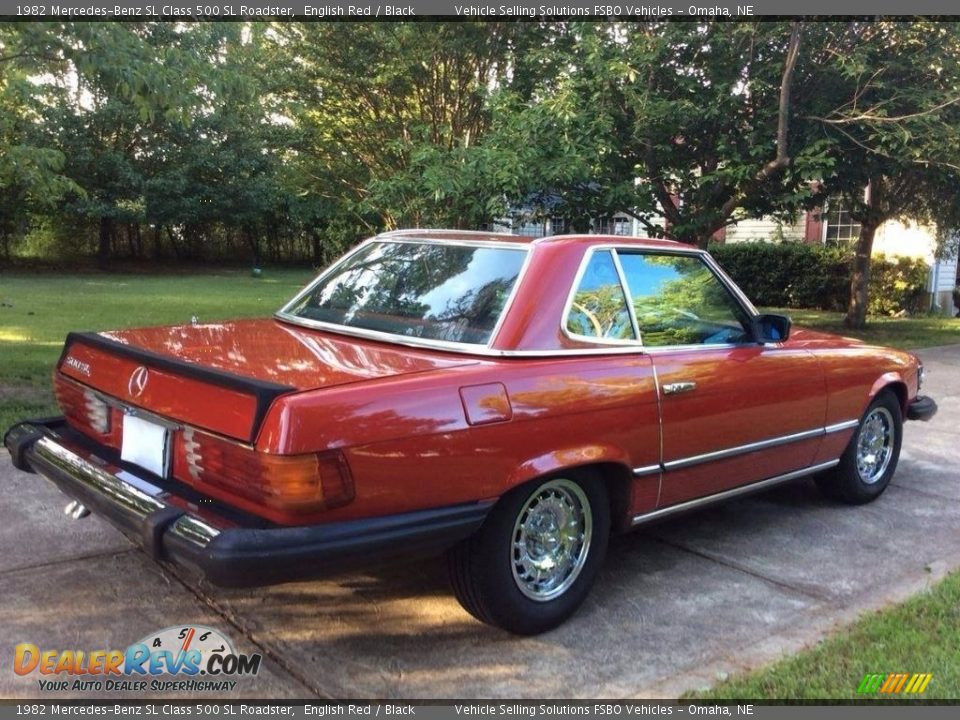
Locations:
85 410
284 482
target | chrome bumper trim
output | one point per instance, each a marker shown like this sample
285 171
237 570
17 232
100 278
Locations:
120 493
732 493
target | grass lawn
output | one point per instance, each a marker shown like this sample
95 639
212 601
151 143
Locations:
920 636
906 333
37 311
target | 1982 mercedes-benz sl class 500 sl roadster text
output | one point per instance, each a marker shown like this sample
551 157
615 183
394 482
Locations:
505 400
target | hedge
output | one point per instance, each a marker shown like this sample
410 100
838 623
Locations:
800 275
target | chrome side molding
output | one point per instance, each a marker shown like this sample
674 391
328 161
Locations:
841 426
748 448
732 493
743 449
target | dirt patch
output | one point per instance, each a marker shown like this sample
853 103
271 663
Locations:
24 395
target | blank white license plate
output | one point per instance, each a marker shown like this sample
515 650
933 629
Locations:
145 444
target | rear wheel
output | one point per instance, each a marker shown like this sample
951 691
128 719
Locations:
534 560
870 460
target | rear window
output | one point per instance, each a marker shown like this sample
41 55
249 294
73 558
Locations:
436 291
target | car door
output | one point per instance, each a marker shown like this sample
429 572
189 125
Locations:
732 411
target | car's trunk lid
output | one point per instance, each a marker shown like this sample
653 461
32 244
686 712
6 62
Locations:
224 376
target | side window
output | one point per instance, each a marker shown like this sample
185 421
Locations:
599 307
679 301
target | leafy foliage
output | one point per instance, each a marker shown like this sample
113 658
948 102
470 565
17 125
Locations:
799 275
253 141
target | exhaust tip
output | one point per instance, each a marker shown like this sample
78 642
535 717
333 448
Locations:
76 510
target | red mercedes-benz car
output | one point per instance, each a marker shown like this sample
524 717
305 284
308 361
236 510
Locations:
510 401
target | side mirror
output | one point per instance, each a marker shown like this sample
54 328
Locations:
771 328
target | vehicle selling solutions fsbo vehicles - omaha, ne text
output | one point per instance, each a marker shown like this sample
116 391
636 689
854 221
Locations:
505 400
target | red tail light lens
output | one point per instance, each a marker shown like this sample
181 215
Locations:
86 411
285 482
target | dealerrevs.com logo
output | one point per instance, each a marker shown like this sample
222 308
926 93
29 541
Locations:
187 658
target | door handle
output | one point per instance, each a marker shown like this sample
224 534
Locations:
675 388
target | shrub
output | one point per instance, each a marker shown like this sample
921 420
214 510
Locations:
800 275
788 274
897 284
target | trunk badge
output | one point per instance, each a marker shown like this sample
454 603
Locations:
138 381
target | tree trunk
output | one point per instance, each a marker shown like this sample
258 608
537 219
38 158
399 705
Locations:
316 248
860 280
701 241
253 241
173 244
103 244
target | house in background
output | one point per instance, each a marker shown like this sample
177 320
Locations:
830 225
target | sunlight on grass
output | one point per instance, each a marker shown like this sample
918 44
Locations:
12 335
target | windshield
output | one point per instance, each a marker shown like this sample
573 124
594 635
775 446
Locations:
436 291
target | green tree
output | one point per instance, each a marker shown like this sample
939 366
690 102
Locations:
31 173
392 117
687 126
890 110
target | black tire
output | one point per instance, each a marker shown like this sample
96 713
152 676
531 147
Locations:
485 570
853 483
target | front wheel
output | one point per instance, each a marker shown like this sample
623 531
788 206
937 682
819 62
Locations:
868 463
534 560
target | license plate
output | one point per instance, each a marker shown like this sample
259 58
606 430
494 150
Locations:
145 444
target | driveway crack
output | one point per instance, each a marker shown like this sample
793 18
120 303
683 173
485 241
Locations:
67 560
807 592
234 622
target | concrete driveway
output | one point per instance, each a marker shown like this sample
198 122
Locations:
676 607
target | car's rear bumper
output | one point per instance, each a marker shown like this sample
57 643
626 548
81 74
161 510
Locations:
921 408
227 550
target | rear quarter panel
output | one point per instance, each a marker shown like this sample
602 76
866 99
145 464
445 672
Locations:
410 446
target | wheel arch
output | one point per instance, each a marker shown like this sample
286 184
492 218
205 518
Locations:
610 463
895 384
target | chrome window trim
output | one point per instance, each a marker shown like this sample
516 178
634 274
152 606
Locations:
637 345
731 493
731 286
449 345
478 236
600 346
633 344
659 349
508 305
631 310
736 294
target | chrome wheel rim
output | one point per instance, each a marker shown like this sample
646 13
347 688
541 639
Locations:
551 540
875 445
